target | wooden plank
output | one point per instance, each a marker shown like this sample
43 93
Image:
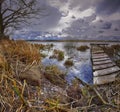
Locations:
97 52
99 67
98 57
96 49
101 59
102 62
102 53
104 79
94 55
106 71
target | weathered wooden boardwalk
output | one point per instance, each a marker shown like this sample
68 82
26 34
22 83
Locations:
104 69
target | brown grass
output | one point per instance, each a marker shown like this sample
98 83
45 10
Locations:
116 47
14 94
19 96
68 63
55 76
20 50
43 47
82 48
58 54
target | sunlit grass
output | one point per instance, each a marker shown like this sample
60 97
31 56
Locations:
20 50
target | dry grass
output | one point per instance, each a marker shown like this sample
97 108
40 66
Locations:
20 50
14 94
114 52
20 96
3 61
55 76
43 47
82 48
116 47
58 54
105 98
68 63
20 83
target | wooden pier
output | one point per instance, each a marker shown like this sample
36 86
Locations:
104 69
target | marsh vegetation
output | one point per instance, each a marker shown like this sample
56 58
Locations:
58 54
114 52
68 63
82 48
28 84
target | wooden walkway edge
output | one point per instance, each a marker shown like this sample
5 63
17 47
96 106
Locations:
104 69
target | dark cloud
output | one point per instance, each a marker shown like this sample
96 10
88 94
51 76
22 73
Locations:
73 17
108 7
116 29
100 31
107 25
49 19
116 25
66 16
90 18
80 26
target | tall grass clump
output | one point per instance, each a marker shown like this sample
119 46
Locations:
69 63
58 54
20 50
17 59
82 48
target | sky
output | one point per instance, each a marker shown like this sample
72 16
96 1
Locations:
80 19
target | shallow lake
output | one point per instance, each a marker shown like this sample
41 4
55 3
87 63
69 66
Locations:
82 67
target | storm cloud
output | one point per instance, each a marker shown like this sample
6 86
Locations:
107 25
87 18
108 7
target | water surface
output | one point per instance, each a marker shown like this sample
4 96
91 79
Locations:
82 67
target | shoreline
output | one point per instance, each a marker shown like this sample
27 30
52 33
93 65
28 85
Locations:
72 41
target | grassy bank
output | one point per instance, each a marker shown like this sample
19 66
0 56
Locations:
28 86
